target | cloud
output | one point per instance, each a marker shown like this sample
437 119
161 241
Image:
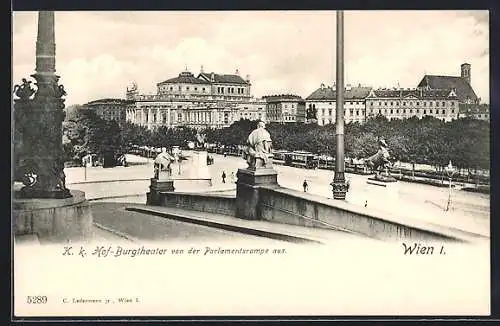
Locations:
99 53
481 17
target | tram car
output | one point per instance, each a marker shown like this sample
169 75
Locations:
279 156
326 162
301 159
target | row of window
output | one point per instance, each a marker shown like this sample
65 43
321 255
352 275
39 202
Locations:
195 104
443 103
171 88
411 111
313 106
230 90
351 111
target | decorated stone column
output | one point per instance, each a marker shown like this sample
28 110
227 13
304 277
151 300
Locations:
44 207
38 115
259 172
339 184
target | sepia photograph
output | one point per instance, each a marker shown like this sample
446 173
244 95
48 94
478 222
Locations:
250 163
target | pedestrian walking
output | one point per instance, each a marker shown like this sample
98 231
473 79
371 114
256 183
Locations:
223 176
233 177
305 185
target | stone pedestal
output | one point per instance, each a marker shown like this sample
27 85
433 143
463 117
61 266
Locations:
156 187
382 178
197 167
53 220
247 190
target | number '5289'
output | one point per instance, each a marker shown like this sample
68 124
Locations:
36 299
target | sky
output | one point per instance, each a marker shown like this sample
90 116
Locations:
284 52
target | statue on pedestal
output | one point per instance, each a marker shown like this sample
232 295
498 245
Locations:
380 161
258 151
162 180
162 165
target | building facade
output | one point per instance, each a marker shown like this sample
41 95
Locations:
474 111
406 103
110 108
443 97
324 102
207 100
285 108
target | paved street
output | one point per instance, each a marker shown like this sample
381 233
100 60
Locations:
470 211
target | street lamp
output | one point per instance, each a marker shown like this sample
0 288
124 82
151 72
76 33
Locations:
339 185
450 171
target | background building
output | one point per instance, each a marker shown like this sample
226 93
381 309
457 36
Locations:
406 103
474 111
207 100
285 108
460 84
443 97
110 108
324 101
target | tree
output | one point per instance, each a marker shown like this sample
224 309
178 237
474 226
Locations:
87 133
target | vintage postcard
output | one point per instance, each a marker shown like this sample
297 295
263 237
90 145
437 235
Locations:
250 163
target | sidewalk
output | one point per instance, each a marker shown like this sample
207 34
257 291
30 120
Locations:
291 233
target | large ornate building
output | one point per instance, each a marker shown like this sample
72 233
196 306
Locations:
406 103
207 100
443 97
285 108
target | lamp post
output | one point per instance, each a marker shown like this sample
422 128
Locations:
450 171
339 185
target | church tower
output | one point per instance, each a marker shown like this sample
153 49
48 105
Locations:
465 71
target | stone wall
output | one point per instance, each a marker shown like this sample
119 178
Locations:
282 205
289 206
54 220
209 203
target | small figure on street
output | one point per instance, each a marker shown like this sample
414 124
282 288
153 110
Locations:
233 177
305 185
366 203
223 176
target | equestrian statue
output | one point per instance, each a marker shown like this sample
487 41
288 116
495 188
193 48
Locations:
380 163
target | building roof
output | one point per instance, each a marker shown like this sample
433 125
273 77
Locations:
222 78
422 94
282 97
328 93
110 101
463 88
184 77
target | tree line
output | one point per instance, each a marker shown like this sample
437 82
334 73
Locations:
466 142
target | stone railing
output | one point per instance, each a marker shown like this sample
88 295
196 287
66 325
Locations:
289 206
209 203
